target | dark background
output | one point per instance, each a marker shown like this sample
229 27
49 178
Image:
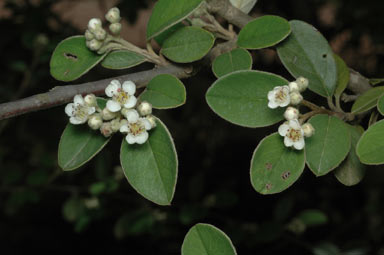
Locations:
42 209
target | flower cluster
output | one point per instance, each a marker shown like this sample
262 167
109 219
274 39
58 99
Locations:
122 113
292 130
96 36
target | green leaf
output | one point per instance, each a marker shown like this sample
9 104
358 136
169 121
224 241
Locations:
313 217
188 44
307 53
264 32
380 105
71 59
134 223
241 98
342 76
235 60
351 171
329 146
167 33
275 167
164 91
367 100
376 81
122 59
167 13
151 168
370 148
78 145
101 102
205 239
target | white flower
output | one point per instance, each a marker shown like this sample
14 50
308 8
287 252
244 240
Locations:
136 131
131 114
308 129
291 113
122 96
293 134
94 24
293 86
78 111
113 15
279 96
303 83
144 108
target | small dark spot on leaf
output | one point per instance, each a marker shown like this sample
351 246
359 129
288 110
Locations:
324 55
268 186
285 175
66 72
70 56
268 166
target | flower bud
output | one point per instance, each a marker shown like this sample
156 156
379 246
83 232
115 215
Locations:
90 100
92 203
303 83
295 98
113 15
88 35
100 34
95 121
94 45
291 113
293 87
308 129
131 114
94 24
106 129
115 28
144 108
108 115
115 124
151 120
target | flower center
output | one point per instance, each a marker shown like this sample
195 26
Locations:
121 97
280 96
136 128
294 134
81 111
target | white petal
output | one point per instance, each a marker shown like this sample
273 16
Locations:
78 99
142 138
147 123
124 129
295 124
76 121
69 109
283 129
272 104
113 106
129 87
112 88
286 102
288 142
271 95
131 102
132 116
299 145
91 110
130 139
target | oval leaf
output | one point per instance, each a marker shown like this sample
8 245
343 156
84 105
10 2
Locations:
188 44
167 13
206 239
78 145
351 171
307 53
370 148
275 167
164 91
342 75
235 60
380 105
151 168
241 98
244 5
329 146
264 32
367 100
122 59
71 59
167 33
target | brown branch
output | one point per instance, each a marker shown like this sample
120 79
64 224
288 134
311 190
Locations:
226 10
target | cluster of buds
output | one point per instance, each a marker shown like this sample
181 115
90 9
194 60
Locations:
123 113
292 130
96 36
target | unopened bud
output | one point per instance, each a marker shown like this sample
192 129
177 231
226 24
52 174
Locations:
100 34
106 129
113 15
144 108
303 83
151 120
95 121
295 98
131 115
291 113
115 124
90 100
88 35
94 45
108 115
308 129
115 28
94 24
293 87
